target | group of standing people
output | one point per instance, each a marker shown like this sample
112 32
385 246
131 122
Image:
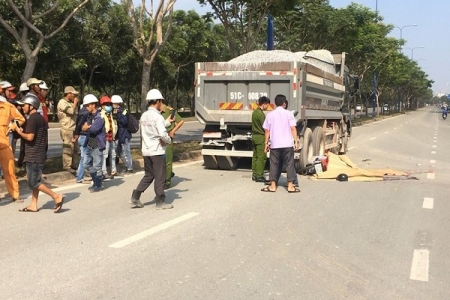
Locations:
24 117
277 133
97 130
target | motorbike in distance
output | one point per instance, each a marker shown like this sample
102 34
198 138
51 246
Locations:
444 113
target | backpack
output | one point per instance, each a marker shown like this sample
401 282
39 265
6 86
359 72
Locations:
133 124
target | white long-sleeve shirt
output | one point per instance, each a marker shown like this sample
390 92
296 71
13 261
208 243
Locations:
153 131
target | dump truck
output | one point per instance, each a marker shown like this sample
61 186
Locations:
316 84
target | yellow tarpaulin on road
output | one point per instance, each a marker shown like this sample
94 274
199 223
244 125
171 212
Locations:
338 164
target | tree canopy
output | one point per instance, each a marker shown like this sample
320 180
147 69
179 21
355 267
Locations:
106 47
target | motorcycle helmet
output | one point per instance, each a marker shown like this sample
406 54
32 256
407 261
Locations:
342 177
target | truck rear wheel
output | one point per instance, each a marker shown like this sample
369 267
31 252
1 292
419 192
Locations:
307 151
318 141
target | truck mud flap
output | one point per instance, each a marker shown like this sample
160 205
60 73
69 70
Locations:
227 162
210 162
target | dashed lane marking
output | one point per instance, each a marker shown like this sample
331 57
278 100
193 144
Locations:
153 230
432 161
430 176
420 265
373 138
386 132
351 148
428 203
433 152
434 146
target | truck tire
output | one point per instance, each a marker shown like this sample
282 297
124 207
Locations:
318 141
307 151
210 162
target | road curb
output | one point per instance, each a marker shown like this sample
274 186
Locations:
55 179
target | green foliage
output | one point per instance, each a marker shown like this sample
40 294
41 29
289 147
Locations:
95 50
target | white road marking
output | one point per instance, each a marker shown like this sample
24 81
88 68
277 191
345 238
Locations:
428 203
153 230
386 132
351 148
395 127
420 265
432 161
401 125
433 152
373 138
430 176
434 146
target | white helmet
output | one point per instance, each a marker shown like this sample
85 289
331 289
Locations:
154 94
43 86
24 87
89 98
6 84
116 99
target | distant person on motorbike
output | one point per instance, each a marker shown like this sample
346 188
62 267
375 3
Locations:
444 112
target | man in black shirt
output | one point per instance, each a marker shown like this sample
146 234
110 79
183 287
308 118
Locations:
35 137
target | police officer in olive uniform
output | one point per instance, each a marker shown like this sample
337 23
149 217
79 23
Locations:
172 125
259 155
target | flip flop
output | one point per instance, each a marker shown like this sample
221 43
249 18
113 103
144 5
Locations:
296 190
26 209
267 189
59 205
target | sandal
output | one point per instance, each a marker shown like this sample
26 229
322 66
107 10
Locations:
26 209
59 205
296 190
267 189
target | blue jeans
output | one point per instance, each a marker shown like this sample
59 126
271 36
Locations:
109 153
80 170
93 161
124 151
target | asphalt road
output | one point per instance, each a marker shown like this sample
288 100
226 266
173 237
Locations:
227 240
191 130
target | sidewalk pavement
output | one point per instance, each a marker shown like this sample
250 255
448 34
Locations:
64 177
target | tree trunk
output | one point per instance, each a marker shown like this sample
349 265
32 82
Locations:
29 68
175 102
145 85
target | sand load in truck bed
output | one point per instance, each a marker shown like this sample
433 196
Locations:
322 59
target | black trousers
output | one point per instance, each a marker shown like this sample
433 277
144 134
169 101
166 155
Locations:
155 170
277 157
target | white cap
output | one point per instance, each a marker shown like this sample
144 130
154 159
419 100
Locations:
89 98
116 99
154 94
24 87
43 86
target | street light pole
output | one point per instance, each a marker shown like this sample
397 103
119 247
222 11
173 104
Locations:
401 37
401 29
412 50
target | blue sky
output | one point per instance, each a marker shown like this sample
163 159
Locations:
430 32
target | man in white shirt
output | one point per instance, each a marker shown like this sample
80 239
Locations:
154 140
